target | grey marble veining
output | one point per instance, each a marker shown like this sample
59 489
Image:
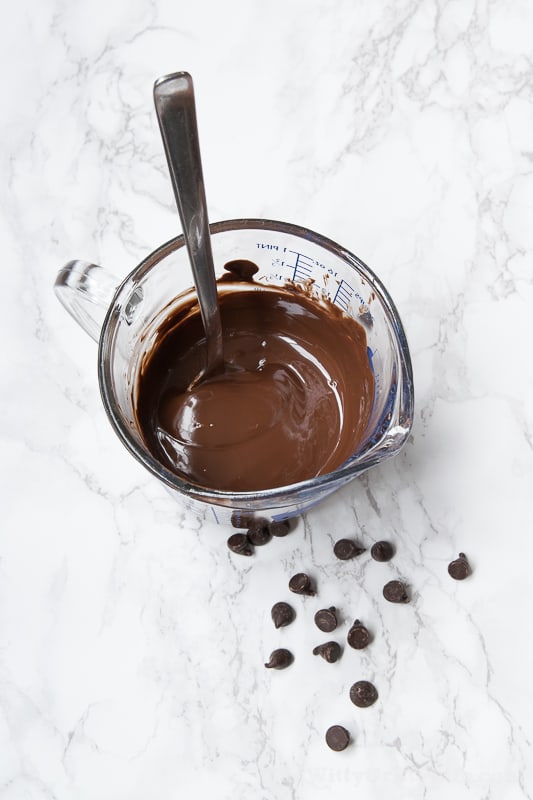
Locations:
132 642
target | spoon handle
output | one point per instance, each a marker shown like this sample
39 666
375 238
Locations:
176 113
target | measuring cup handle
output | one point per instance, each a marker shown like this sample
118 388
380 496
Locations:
86 291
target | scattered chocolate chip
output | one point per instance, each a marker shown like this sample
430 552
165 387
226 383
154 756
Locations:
459 569
280 527
363 694
358 636
259 533
337 738
279 659
347 548
330 651
242 519
282 614
382 551
326 619
301 584
239 543
396 592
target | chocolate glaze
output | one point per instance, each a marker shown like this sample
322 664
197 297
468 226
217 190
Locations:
293 402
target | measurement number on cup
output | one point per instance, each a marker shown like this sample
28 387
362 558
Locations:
301 267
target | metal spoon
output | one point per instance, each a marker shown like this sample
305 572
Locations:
176 113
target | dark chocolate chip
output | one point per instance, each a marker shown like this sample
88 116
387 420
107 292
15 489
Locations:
326 619
259 533
459 569
330 651
279 659
382 551
396 592
301 584
239 543
242 519
337 738
363 694
280 527
282 614
347 548
358 636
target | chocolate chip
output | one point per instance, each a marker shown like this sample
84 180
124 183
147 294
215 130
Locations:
358 636
382 551
280 527
242 519
337 738
259 533
347 548
330 651
459 569
279 659
396 592
282 614
326 619
301 584
363 694
239 543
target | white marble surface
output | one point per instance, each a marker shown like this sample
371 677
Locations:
131 642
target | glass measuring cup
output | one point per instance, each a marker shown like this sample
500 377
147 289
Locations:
125 321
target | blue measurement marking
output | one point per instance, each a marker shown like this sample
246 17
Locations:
302 268
343 295
370 354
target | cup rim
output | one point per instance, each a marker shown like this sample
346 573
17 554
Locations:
302 489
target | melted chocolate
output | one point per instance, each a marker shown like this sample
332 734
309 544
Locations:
293 402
